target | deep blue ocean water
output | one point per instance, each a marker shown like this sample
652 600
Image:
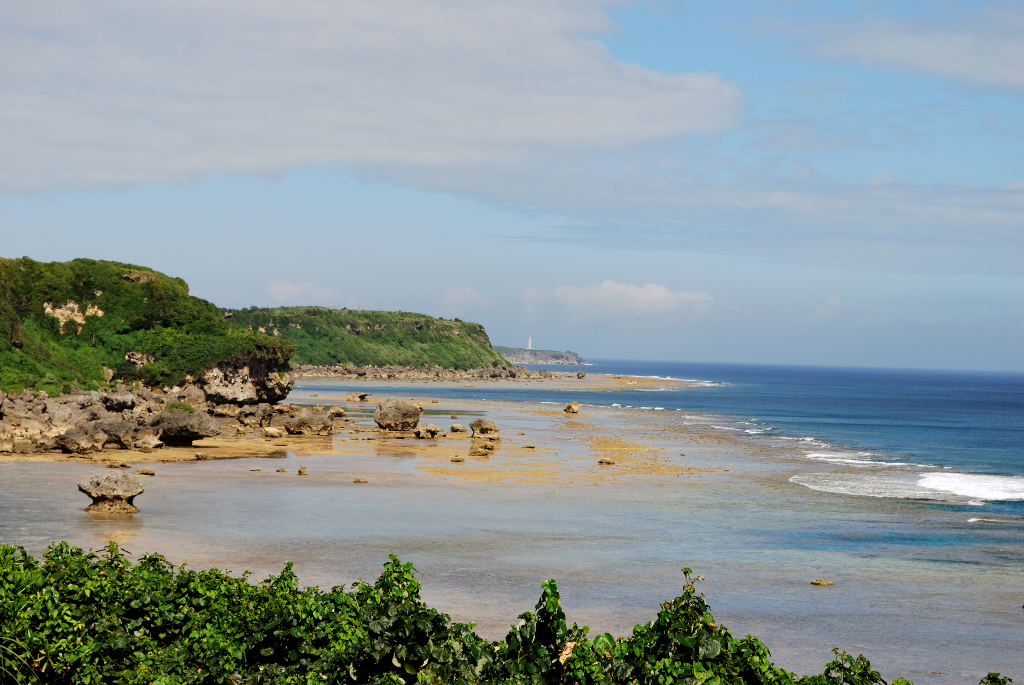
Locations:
903 433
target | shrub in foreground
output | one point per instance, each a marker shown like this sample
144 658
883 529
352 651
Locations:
82 617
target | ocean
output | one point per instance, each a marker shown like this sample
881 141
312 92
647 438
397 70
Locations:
940 435
905 488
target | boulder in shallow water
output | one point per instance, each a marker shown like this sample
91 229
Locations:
310 422
457 428
179 429
357 397
580 374
483 427
112 493
397 415
572 408
428 430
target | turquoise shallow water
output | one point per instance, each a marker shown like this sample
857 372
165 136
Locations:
921 588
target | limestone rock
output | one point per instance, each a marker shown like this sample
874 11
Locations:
94 436
179 429
580 374
357 396
310 422
146 472
119 401
572 408
482 449
302 470
428 430
457 428
240 381
483 427
822 582
397 415
360 480
273 433
112 493
336 412
255 416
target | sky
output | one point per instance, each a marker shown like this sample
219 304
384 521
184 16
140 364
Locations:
792 182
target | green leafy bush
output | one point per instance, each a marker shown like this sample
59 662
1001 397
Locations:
326 337
181 408
139 324
83 617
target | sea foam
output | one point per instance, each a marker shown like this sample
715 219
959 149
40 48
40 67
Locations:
975 486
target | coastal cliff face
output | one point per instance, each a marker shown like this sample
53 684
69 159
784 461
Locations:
520 355
88 324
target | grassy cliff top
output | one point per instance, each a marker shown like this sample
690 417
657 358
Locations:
325 337
64 322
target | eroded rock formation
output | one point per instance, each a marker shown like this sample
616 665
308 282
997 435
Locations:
112 493
397 415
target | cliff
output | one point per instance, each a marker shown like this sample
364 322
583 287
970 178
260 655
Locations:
333 337
520 355
91 323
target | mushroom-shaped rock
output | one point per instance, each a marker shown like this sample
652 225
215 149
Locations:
357 397
428 430
179 429
572 408
112 493
336 411
397 415
457 428
580 374
484 428
310 422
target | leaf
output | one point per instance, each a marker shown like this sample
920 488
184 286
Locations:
709 649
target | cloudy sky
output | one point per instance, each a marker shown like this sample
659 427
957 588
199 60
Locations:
789 182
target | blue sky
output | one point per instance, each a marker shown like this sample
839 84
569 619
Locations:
769 182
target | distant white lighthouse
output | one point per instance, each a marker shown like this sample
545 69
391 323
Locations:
529 342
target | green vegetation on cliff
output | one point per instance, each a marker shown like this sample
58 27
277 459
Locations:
83 618
327 337
63 323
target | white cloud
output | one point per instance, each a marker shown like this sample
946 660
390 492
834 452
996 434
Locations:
830 307
117 92
617 298
461 300
286 292
984 49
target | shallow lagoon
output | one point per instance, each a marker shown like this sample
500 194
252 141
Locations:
919 586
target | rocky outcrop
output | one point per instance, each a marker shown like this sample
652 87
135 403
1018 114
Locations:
243 381
427 430
397 415
436 373
179 429
580 374
357 396
257 416
572 408
482 449
457 428
112 493
95 436
310 422
484 428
